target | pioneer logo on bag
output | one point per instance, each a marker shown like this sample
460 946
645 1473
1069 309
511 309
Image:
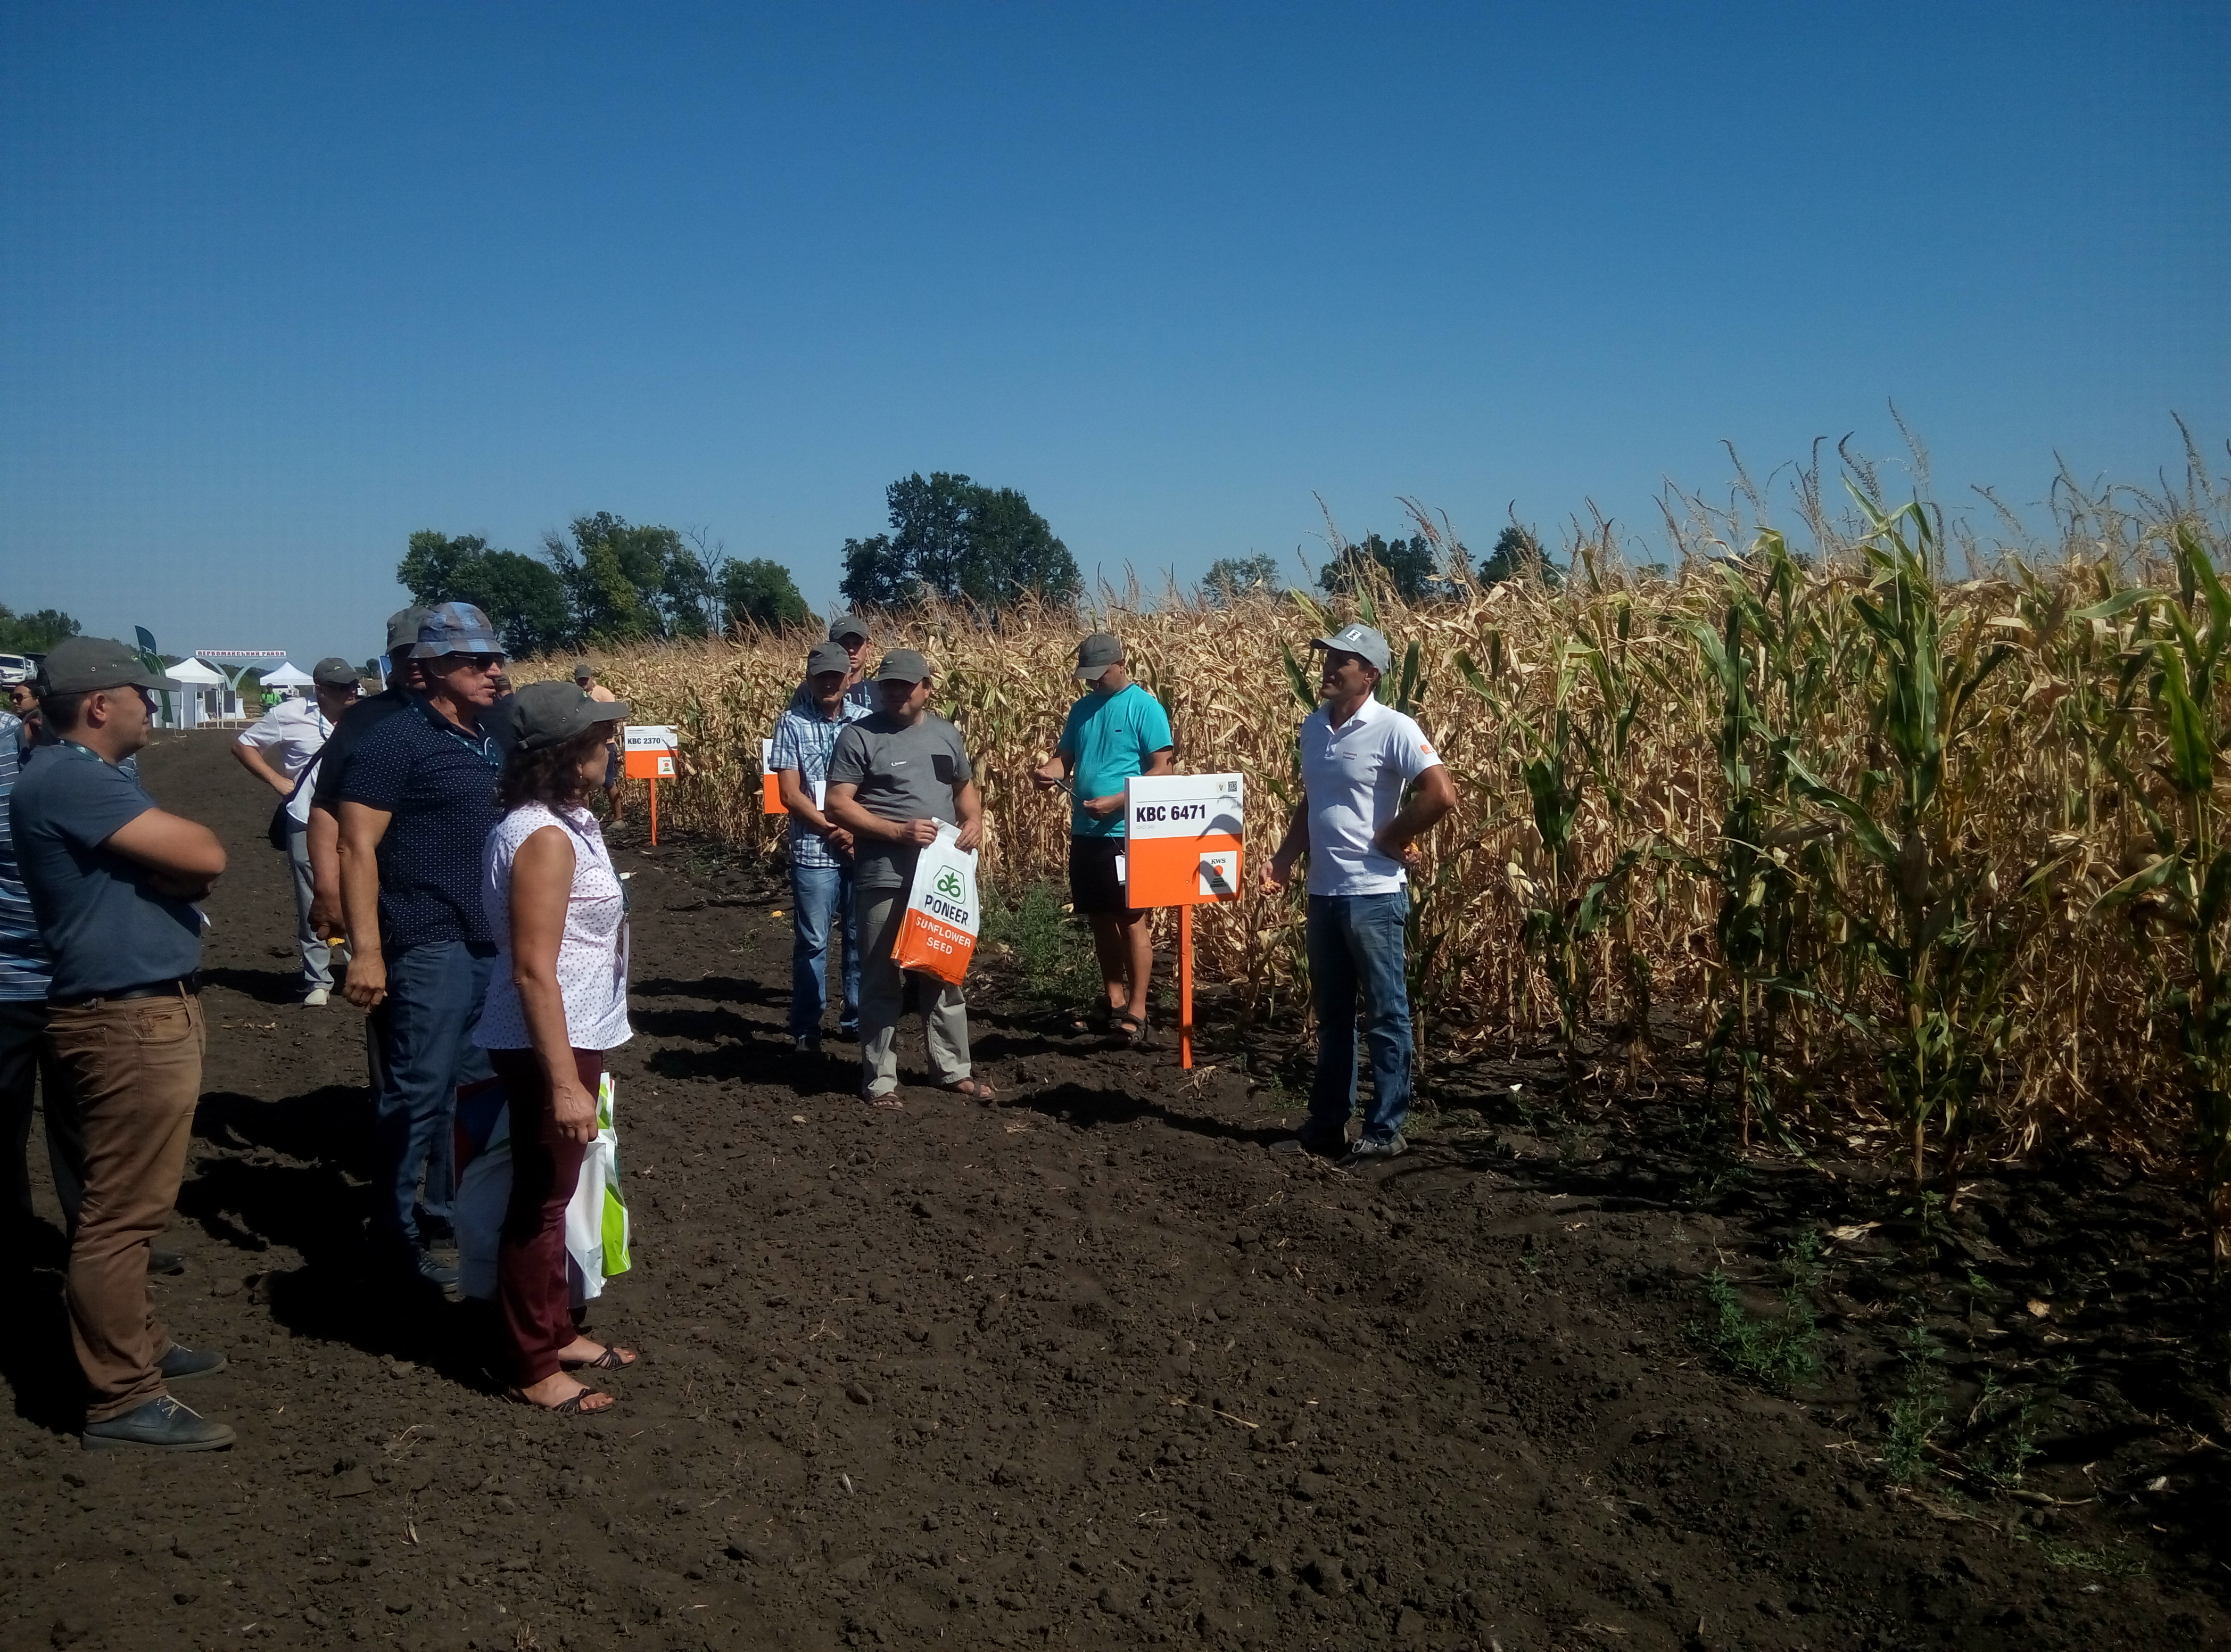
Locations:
938 934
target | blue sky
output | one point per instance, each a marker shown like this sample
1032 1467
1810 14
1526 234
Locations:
286 283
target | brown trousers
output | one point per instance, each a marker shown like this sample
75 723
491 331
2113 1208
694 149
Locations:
136 1066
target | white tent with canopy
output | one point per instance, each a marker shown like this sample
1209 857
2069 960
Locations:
289 676
199 695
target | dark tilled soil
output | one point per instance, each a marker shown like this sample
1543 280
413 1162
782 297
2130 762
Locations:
1093 1367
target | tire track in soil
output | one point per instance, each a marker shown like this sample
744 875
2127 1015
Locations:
1089 1368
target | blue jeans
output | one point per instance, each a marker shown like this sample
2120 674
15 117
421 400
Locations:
1355 942
424 1027
815 894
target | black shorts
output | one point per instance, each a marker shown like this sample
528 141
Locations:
1094 886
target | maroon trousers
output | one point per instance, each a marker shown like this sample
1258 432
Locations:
533 1299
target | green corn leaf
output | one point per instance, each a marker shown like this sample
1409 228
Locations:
2137 885
1870 836
1475 679
2122 600
2192 753
1296 679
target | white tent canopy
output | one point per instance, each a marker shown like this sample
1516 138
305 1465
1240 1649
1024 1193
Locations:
289 676
198 697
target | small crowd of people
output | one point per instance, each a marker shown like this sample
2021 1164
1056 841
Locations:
448 872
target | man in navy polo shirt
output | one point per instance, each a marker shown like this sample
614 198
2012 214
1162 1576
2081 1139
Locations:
416 803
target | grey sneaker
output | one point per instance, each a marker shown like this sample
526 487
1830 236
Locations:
1368 1147
432 1269
183 1364
162 1424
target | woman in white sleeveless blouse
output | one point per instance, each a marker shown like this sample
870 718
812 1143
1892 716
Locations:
557 1001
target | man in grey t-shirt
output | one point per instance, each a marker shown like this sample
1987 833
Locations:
892 778
113 880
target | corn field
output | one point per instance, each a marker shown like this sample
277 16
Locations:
1899 861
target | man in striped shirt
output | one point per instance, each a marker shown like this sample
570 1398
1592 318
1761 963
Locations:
821 850
25 1062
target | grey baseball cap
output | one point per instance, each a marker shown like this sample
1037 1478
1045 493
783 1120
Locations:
902 665
333 673
81 664
1360 641
546 714
403 628
846 625
455 628
828 657
583 671
1096 654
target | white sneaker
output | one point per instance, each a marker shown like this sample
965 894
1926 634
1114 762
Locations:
315 998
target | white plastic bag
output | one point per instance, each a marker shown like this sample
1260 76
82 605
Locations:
597 1221
937 935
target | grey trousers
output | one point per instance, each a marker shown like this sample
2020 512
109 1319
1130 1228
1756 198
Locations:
883 996
27 1067
317 960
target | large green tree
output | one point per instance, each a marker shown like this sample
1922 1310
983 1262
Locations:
522 597
629 581
758 592
961 540
33 633
1518 555
1230 577
1410 565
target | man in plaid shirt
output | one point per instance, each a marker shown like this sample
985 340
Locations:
821 850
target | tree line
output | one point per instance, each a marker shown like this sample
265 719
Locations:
947 538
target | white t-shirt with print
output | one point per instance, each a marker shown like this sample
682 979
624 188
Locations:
1352 777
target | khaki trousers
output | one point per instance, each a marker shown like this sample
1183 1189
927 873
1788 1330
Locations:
882 995
136 1066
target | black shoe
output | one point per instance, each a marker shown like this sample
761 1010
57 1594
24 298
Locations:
165 1262
183 1364
160 1425
1330 1145
849 1031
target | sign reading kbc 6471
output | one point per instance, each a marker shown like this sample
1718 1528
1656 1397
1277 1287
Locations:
1182 839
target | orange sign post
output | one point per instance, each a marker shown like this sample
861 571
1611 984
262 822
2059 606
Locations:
770 787
650 747
1181 848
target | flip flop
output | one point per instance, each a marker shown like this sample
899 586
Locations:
570 1407
888 1101
613 1359
975 1089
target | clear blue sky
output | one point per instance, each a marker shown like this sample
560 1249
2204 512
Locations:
283 284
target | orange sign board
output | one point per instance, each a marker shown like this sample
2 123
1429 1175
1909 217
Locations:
770 789
649 748
1182 837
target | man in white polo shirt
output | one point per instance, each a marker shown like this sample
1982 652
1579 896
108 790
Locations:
1357 758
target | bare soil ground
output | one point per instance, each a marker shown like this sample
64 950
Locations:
1092 1367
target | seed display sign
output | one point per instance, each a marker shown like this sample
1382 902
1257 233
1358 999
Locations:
650 747
1182 839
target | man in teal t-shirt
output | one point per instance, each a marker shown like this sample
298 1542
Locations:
1115 732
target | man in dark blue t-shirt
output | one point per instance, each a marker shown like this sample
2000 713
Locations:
416 806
